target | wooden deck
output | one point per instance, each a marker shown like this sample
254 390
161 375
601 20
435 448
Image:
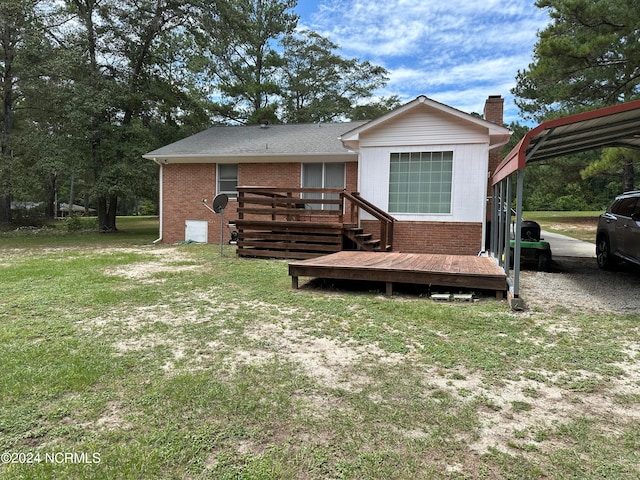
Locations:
464 271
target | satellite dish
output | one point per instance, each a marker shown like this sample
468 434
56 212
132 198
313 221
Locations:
220 202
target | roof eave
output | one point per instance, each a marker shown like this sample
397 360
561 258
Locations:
497 141
249 158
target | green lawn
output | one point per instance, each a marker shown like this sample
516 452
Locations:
131 231
580 225
138 361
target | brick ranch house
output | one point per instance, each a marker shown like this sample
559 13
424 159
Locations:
425 163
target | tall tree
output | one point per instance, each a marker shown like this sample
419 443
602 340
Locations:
241 37
320 85
618 163
89 85
18 25
117 87
587 57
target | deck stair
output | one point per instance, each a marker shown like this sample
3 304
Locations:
361 240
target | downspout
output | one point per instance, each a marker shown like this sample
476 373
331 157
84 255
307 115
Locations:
159 239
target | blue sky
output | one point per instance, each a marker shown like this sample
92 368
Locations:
457 52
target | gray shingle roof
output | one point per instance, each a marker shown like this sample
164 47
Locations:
295 139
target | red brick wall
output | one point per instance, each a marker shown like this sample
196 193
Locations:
269 174
185 185
351 182
432 237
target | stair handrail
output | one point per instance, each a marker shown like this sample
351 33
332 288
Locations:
385 219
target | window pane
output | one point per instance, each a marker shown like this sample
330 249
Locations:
625 207
228 179
420 182
312 178
312 175
323 175
334 175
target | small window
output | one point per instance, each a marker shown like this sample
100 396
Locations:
228 179
323 175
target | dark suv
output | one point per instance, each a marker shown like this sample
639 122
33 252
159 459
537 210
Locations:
618 235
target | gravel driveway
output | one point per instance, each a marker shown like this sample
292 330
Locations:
577 282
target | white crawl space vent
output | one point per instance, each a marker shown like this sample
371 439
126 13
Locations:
196 231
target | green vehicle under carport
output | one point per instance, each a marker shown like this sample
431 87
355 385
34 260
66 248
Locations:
533 249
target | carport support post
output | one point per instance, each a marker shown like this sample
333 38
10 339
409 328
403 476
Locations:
501 227
518 234
507 222
493 241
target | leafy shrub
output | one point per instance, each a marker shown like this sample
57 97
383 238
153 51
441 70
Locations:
73 224
77 223
148 208
567 203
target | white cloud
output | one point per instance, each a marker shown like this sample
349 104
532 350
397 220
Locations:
445 49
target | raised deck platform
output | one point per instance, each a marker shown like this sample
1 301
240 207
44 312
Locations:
464 271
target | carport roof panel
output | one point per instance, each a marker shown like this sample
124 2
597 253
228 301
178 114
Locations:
615 126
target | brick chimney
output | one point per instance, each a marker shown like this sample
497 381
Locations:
494 113
493 109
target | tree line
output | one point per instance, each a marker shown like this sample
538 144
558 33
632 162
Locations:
587 57
88 86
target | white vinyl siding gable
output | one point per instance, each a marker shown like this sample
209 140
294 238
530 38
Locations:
422 128
425 129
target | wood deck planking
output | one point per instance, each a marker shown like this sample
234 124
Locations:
395 267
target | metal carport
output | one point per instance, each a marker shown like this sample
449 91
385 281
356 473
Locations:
615 126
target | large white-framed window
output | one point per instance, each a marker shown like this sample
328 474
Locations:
323 175
228 179
420 182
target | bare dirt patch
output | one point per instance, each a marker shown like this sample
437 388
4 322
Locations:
518 408
168 260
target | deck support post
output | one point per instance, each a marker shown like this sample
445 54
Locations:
294 283
389 286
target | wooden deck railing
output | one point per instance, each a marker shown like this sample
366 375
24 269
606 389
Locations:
302 222
290 203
